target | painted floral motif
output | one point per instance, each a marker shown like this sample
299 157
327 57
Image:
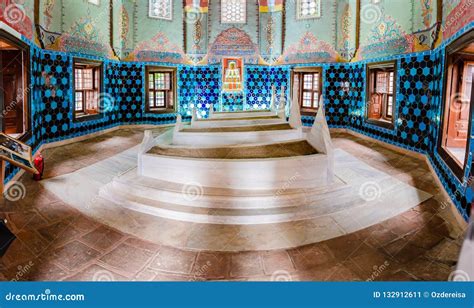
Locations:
309 49
83 37
233 42
270 35
160 49
84 28
346 22
69 43
427 12
197 35
386 38
48 12
344 44
124 22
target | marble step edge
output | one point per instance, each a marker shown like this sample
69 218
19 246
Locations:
131 177
324 206
174 212
198 198
260 216
245 118
241 114
214 219
159 189
232 146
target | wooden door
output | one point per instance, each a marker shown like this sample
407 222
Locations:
375 106
459 110
9 99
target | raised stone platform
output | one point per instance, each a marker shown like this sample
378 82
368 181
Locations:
261 157
240 114
271 195
232 122
225 136
283 149
235 129
205 218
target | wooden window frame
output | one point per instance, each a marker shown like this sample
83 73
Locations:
173 90
451 51
391 66
80 116
301 71
4 35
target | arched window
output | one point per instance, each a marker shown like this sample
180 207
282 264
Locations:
233 11
15 85
308 9
160 9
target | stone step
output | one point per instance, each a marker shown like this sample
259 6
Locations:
235 122
209 197
242 114
310 207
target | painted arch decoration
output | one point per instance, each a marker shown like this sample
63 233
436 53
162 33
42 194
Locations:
309 49
233 42
159 49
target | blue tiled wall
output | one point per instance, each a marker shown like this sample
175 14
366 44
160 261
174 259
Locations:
418 102
259 82
198 87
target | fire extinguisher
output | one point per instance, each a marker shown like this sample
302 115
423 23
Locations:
39 165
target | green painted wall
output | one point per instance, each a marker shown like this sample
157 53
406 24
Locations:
147 28
323 29
387 27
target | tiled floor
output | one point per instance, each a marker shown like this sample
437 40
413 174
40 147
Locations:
56 242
